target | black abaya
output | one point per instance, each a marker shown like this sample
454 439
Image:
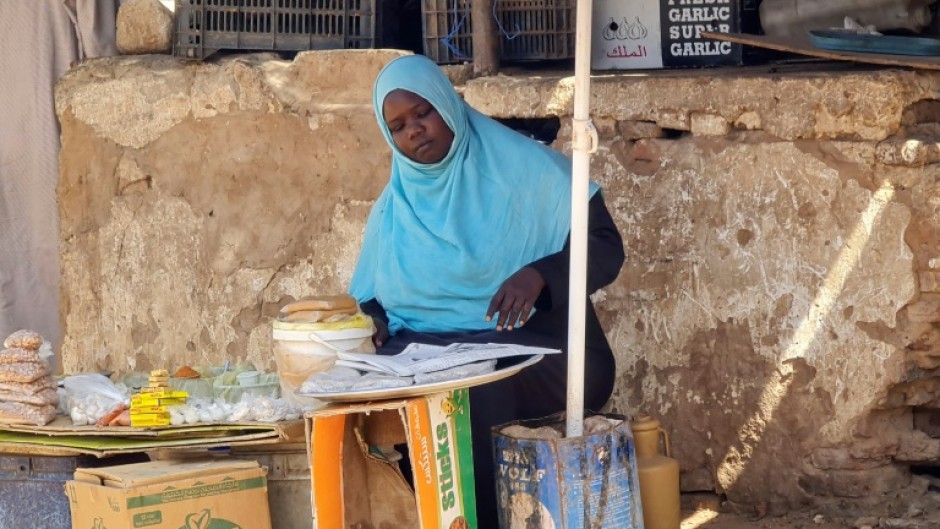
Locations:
539 390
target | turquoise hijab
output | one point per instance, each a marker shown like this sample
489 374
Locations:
443 237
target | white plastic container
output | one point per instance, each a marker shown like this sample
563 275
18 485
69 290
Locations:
304 349
248 378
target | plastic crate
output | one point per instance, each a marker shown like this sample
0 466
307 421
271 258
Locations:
204 27
528 29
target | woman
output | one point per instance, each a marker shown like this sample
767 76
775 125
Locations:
468 243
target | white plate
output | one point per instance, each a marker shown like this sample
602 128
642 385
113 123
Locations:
417 390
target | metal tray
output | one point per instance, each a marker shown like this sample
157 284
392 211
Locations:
885 44
417 390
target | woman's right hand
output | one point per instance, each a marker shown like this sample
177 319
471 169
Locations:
381 335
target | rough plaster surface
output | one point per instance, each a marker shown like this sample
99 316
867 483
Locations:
218 193
144 26
776 312
736 318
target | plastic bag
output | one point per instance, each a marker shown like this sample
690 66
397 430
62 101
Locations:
91 396
23 372
19 412
89 385
264 409
457 373
200 410
333 380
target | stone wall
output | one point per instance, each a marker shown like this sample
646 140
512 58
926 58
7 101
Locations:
778 308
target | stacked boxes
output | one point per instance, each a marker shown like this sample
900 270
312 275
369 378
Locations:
149 407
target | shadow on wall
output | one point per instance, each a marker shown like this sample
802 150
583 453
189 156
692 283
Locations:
789 412
766 454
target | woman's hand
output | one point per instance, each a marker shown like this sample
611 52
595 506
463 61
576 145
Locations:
380 336
515 298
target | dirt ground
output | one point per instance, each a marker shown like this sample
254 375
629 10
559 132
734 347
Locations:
707 511
708 519
917 509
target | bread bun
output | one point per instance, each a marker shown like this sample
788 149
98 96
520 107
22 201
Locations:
316 316
323 303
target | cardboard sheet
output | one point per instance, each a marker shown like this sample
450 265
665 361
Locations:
62 425
801 45
152 472
59 438
13 442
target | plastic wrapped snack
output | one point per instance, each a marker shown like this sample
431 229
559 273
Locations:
24 372
18 412
23 339
18 355
334 380
42 397
28 387
377 381
456 373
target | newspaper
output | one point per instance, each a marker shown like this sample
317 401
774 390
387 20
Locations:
420 358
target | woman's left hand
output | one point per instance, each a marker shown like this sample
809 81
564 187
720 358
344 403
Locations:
515 298
381 334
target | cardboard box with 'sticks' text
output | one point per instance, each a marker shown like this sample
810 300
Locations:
356 481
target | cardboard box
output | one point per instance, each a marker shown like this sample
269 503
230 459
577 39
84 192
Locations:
354 485
201 494
640 34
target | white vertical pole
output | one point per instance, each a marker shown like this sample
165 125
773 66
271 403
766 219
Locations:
584 140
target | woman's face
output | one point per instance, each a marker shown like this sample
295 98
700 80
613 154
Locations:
417 129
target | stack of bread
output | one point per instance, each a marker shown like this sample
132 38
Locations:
310 334
27 391
325 309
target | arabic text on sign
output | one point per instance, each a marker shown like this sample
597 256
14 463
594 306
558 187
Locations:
621 52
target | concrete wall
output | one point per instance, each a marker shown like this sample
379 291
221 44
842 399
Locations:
779 305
